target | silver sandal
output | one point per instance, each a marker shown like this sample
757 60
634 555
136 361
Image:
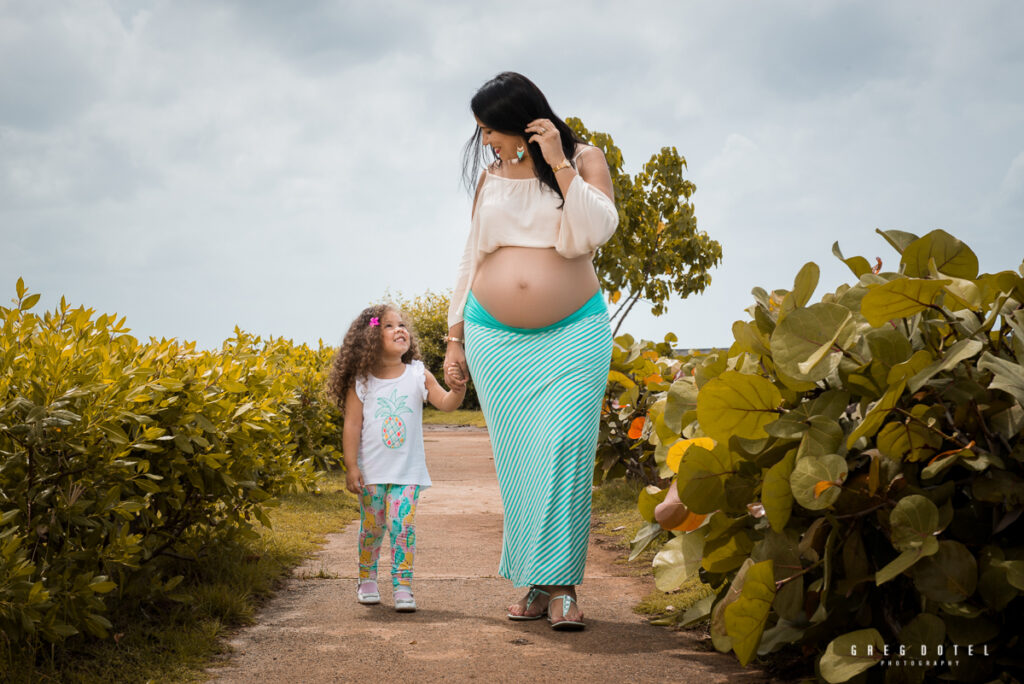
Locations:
565 624
530 598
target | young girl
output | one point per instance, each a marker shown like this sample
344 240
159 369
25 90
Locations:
379 383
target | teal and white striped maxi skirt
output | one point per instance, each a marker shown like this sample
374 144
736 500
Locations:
541 391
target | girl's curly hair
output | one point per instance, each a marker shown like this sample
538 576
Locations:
360 351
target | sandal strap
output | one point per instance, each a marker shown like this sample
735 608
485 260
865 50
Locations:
532 596
566 602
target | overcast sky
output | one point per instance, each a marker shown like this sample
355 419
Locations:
278 165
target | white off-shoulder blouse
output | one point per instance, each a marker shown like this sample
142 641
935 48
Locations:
523 212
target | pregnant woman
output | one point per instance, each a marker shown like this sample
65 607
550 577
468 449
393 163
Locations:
529 310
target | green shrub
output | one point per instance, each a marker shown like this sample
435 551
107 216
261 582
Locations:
123 462
865 483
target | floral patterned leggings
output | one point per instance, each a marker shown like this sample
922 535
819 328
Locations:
378 505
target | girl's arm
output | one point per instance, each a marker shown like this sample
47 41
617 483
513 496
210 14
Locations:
350 436
442 400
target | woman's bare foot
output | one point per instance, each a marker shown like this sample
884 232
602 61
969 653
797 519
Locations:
531 606
563 609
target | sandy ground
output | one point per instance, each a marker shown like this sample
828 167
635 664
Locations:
314 631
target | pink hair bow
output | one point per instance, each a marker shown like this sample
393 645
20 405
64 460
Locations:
374 321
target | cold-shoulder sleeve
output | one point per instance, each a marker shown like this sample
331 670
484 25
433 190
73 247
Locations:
419 371
589 219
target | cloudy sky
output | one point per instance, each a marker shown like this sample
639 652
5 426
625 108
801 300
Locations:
200 165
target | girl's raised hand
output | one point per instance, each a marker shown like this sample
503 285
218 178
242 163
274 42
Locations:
354 481
550 140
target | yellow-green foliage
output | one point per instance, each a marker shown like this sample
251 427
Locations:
858 467
122 462
640 374
174 643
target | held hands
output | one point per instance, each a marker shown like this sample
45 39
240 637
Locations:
550 140
456 372
455 380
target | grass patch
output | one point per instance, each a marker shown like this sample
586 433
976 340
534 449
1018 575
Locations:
174 642
615 515
431 416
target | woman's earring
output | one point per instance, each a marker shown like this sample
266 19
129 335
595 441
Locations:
520 151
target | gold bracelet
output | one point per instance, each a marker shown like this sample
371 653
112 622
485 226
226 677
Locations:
449 338
564 164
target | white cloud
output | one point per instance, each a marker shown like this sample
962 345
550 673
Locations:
197 165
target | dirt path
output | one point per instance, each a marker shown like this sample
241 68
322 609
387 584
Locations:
314 631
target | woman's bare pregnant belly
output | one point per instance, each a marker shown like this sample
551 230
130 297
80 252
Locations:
526 287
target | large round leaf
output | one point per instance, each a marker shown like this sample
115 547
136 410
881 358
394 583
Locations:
803 344
719 636
727 552
850 654
858 264
702 475
682 399
650 497
906 560
746 617
911 440
823 437
677 450
913 520
949 576
678 560
816 482
899 298
952 257
924 630
737 404
784 551
776 494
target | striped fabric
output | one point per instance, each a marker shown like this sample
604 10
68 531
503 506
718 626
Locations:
541 391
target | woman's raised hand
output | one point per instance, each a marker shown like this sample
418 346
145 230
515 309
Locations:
550 140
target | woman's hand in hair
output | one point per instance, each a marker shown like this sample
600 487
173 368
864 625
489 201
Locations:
547 136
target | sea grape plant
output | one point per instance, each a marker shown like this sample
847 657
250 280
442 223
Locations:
638 379
859 478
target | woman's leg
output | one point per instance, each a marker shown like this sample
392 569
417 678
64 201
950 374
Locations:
371 530
402 516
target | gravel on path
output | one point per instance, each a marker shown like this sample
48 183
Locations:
314 631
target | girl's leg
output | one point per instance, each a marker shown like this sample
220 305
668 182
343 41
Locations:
371 530
402 514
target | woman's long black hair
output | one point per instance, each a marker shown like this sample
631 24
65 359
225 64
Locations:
507 104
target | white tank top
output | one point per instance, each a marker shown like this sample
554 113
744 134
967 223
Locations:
391 444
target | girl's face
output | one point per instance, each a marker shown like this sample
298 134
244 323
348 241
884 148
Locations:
394 336
503 144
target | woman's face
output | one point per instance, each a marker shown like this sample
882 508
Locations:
503 144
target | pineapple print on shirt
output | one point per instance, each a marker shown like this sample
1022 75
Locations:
392 430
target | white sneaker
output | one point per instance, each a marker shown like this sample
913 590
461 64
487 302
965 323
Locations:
404 601
368 598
